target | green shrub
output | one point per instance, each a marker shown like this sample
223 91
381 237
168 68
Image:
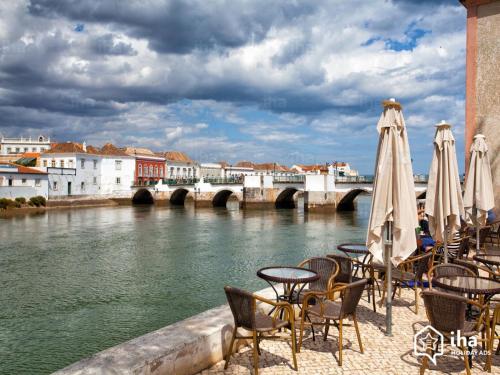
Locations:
21 200
6 203
38 201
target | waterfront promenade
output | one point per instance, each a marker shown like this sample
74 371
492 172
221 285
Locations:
382 355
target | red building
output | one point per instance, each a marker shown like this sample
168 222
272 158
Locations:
149 168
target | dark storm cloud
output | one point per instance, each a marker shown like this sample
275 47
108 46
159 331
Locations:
180 26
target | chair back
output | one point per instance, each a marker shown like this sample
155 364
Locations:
466 264
351 296
446 312
326 268
463 249
243 305
422 265
484 232
345 268
450 269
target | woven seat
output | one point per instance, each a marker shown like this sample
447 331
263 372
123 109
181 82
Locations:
327 310
265 323
244 308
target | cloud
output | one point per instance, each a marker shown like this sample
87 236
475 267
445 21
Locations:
314 73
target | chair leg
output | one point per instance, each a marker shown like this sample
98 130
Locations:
327 326
466 359
425 362
340 342
301 333
255 354
373 297
416 297
294 347
357 333
230 351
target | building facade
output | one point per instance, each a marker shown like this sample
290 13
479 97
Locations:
179 165
210 170
19 181
149 167
10 146
482 98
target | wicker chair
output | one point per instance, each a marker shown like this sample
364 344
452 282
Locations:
409 272
327 310
446 314
244 308
347 274
494 235
450 270
326 268
477 268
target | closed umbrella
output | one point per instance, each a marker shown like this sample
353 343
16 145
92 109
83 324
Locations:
443 203
394 207
478 197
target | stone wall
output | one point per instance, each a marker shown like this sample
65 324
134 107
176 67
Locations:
487 118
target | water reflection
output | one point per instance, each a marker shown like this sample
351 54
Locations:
77 281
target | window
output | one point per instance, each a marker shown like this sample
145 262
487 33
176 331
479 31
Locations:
54 185
33 149
161 171
45 163
53 163
171 171
61 163
95 164
156 171
9 150
139 173
146 173
95 180
189 172
183 171
10 181
26 149
23 181
38 182
118 181
18 150
151 171
82 163
82 186
118 165
178 171
70 163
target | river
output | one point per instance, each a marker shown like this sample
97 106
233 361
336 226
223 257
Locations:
74 282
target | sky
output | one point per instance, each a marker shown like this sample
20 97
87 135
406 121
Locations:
294 82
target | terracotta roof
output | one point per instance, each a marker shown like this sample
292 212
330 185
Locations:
138 151
68 147
271 167
223 164
177 156
26 170
111 149
30 155
245 164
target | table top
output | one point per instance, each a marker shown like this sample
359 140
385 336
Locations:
355 248
287 274
488 259
467 284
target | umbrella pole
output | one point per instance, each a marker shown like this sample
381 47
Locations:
478 229
388 277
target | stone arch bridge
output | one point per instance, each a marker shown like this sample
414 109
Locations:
317 192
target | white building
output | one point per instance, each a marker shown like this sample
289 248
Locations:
179 165
210 170
78 170
21 145
344 169
18 181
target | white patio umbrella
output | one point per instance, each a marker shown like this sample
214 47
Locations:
394 206
443 203
478 197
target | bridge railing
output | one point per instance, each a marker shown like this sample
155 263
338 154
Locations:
223 180
289 179
180 181
354 179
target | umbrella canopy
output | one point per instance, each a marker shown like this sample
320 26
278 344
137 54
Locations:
393 190
478 197
443 203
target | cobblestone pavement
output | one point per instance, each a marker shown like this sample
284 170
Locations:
382 355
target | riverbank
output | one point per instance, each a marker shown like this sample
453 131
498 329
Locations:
56 205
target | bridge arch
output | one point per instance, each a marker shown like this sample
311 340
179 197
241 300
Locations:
347 201
178 197
222 196
285 198
143 196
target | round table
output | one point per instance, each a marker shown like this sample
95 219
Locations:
353 248
290 277
468 284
